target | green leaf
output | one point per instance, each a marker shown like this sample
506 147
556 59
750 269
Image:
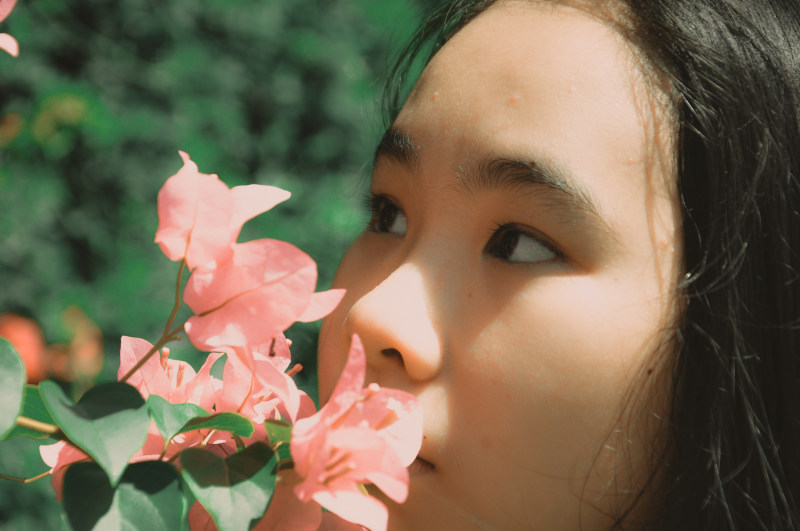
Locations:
109 422
171 418
148 496
280 437
225 421
235 490
33 408
12 380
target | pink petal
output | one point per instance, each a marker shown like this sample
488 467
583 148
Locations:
237 382
250 298
350 381
200 389
9 44
178 373
276 348
200 519
355 507
373 460
250 377
308 440
307 407
150 378
58 456
49 453
277 382
5 8
321 304
194 216
251 200
396 415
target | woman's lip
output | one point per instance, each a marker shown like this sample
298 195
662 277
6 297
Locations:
420 467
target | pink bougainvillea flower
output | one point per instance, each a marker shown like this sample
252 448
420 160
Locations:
173 380
7 42
256 385
199 217
60 455
263 287
360 436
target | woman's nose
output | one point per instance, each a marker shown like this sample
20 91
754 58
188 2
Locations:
395 323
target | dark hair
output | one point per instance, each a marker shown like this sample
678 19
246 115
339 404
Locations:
733 459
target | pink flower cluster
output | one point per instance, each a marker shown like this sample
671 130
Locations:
244 295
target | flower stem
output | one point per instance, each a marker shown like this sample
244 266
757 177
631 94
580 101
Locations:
177 304
26 480
168 335
41 427
285 464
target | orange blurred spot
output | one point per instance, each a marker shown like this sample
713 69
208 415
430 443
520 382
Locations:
27 337
10 128
86 347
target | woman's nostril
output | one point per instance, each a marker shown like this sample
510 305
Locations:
393 353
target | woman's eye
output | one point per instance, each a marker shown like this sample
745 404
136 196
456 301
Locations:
511 244
386 216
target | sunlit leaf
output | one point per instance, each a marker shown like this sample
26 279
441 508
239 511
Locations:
170 418
225 421
33 408
235 490
12 381
280 435
149 496
109 422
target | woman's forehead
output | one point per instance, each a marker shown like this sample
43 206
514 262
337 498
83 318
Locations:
543 80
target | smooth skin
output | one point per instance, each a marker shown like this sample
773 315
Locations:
518 273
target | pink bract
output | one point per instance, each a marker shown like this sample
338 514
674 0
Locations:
257 293
173 380
7 42
360 436
6 6
256 385
199 217
60 455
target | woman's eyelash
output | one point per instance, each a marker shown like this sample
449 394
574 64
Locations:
384 213
368 202
505 237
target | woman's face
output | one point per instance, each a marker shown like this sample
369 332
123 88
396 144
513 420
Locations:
517 272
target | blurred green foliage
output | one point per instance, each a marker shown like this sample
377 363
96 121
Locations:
93 112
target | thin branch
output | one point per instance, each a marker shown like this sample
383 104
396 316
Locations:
177 304
285 464
168 335
26 480
42 427
161 342
208 438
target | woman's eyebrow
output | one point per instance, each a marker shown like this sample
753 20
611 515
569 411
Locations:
397 145
565 193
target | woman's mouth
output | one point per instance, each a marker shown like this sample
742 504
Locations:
420 467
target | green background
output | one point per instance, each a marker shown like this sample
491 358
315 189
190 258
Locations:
93 113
